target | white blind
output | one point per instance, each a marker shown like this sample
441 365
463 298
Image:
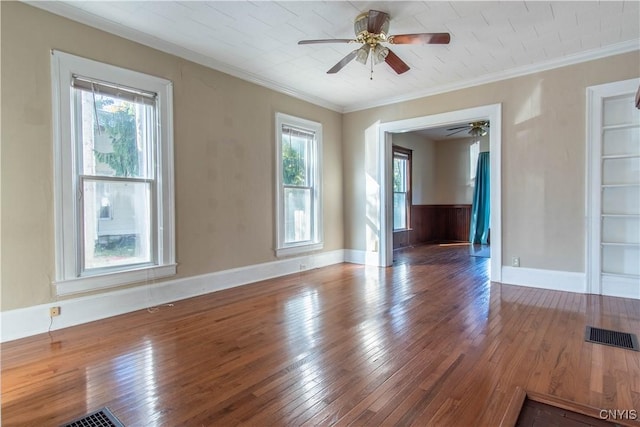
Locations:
113 90
296 132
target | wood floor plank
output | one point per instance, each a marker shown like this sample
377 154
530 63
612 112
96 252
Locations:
429 341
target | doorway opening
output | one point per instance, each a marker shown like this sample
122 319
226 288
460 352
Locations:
491 113
442 196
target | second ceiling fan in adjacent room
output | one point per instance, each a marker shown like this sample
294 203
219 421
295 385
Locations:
475 129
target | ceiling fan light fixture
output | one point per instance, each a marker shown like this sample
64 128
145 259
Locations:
477 131
379 54
360 24
363 54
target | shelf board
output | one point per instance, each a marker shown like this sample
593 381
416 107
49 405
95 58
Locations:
620 185
628 276
636 245
620 156
622 126
630 216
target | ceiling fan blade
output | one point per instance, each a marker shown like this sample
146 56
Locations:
376 21
344 61
420 38
461 127
394 61
326 41
453 133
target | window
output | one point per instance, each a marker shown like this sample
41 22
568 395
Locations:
113 175
298 149
401 188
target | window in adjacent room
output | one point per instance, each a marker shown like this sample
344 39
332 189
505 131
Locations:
474 152
299 202
113 175
401 188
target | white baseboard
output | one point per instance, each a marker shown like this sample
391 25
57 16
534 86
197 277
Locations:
29 321
24 322
567 281
355 256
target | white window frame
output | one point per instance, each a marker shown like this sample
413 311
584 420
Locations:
68 276
316 242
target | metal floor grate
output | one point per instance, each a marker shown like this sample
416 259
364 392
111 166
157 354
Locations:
100 418
612 338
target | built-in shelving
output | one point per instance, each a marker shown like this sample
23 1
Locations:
615 179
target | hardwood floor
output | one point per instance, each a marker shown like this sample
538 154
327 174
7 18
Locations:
428 342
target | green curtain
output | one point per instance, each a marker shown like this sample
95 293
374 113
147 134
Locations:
480 212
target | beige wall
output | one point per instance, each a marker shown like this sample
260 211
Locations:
441 169
224 154
423 170
543 157
453 181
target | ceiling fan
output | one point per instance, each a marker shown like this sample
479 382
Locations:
372 29
475 128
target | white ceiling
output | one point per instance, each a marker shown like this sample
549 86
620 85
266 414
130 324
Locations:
257 41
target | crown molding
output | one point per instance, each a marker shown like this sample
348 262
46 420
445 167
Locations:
84 17
589 55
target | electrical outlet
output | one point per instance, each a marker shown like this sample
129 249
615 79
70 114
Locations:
54 311
515 261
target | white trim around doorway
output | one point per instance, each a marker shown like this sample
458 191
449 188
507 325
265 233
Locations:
493 113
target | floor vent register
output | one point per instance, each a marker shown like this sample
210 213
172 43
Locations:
612 338
101 418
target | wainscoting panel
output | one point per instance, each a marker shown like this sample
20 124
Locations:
435 223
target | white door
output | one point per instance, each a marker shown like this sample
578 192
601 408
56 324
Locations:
613 152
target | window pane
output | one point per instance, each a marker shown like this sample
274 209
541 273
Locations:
399 175
295 160
115 136
297 215
399 211
117 221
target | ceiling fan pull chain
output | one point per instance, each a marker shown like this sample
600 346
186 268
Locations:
371 76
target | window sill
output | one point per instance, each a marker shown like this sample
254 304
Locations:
110 280
298 249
